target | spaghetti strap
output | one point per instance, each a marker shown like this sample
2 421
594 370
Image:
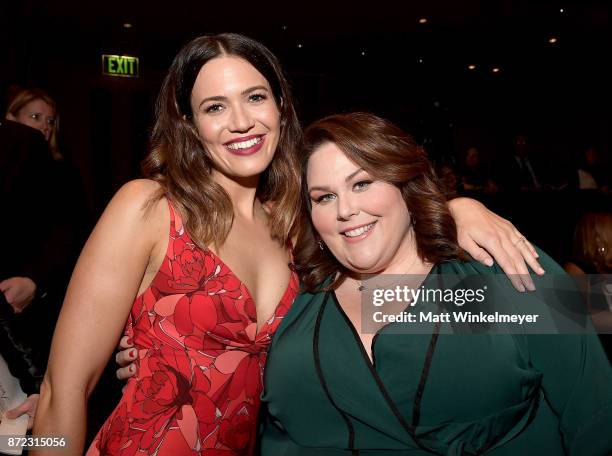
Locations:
200 358
176 222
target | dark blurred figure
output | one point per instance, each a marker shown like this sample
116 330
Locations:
589 173
475 174
592 248
44 225
519 170
24 161
592 255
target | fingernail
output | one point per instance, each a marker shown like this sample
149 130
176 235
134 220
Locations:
133 353
489 262
530 286
541 270
132 368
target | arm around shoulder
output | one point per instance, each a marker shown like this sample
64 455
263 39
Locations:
103 286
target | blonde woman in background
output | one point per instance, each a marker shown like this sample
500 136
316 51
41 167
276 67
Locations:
43 199
35 108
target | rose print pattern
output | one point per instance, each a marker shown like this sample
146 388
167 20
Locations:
200 363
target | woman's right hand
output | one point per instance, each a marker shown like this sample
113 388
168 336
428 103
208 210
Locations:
27 407
125 357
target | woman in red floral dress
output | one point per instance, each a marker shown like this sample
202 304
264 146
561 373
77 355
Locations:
201 325
222 182
201 359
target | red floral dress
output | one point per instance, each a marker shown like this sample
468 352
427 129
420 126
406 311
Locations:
201 360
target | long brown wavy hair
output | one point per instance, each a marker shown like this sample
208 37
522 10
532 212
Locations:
25 96
182 166
593 241
392 156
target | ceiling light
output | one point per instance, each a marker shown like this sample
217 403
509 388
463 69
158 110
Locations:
127 25
423 20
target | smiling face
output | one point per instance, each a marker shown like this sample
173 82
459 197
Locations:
36 114
364 222
236 116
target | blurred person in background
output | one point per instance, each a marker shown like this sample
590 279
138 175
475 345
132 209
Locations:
46 218
35 108
474 172
589 171
592 248
518 170
68 215
592 256
24 159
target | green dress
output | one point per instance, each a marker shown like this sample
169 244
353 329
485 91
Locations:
432 394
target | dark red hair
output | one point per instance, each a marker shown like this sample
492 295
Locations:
387 154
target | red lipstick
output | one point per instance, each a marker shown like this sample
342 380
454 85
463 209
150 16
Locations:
248 150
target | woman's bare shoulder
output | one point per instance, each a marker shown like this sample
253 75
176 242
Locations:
138 191
140 195
139 204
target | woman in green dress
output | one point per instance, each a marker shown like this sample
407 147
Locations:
331 389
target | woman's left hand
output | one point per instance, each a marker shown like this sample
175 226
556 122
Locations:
483 234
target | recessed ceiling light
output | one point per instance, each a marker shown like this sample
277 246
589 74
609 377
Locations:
471 67
552 40
495 69
423 20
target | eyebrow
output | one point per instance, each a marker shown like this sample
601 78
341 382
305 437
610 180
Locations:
243 93
346 179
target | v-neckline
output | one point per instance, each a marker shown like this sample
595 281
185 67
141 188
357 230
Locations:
371 361
243 285
410 428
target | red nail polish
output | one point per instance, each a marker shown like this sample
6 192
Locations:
133 353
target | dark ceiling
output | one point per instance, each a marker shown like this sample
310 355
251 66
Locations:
352 47
376 55
494 30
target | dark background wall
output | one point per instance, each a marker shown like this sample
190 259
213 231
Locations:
339 56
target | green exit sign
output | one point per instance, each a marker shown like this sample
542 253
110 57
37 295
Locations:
120 65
